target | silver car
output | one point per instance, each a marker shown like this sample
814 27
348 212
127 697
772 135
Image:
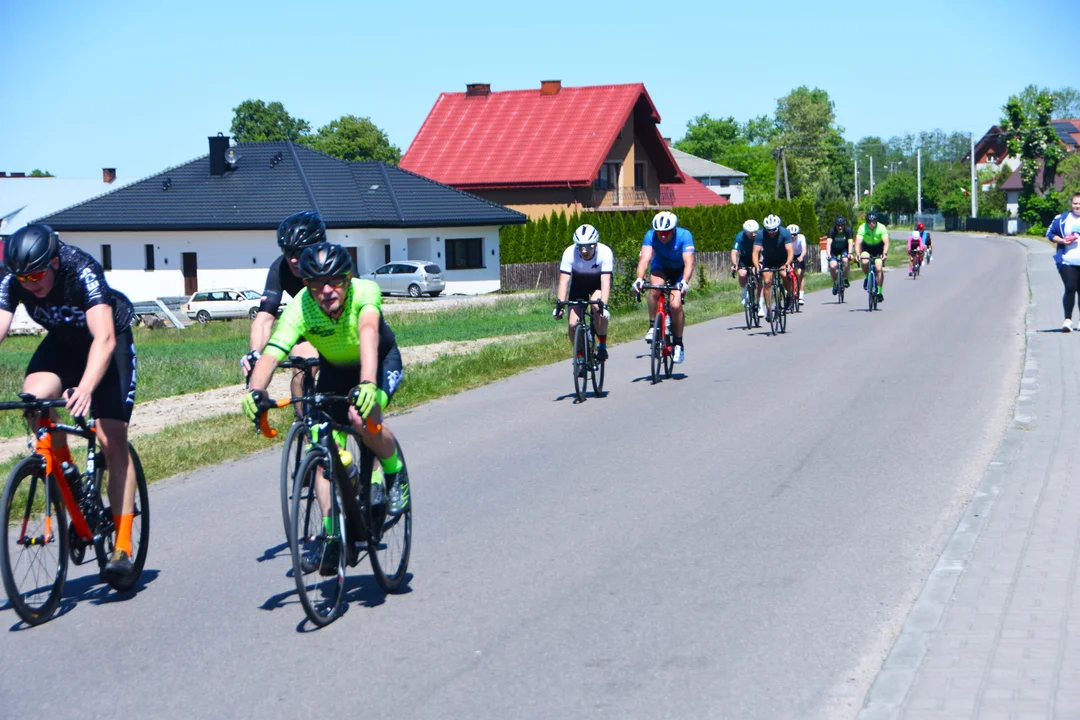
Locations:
409 277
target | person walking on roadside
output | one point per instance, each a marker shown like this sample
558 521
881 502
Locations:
1065 233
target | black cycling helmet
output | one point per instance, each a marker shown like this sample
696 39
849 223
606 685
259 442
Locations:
325 260
301 230
871 217
840 221
30 249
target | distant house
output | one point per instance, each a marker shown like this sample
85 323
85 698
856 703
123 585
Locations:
554 148
212 223
1013 186
24 198
991 151
722 180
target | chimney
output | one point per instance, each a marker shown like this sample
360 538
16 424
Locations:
550 87
667 141
108 175
15 174
477 89
218 146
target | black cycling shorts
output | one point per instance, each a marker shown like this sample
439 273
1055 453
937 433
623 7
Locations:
582 287
114 397
340 379
776 262
799 264
875 251
671 276
746 262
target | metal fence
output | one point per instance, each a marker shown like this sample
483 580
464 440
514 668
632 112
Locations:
1003 226
932 220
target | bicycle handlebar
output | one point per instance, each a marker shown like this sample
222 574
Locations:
564 303
34 404
296 362
316 400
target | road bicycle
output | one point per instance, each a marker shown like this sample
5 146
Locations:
795 306
777 309
585 364
871 283
839 284
916 265
41 497
750 299
662 350
356 527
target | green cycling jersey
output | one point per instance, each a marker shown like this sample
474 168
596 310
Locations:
337 340
874 237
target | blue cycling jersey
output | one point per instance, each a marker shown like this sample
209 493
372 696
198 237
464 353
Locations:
744 245
669 255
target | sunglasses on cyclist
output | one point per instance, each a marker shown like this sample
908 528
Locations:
31 277
665 234
316 284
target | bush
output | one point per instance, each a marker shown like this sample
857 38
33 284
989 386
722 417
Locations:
1036 230
621 296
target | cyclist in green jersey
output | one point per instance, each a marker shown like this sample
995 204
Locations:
872 244
340 315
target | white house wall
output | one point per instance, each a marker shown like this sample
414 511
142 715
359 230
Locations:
241 258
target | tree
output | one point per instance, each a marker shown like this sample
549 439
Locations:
40 173
1030 137
257 121
1067 102
1069 169
805 120
896 193
354 138
709 138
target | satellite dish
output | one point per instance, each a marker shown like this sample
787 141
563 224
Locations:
232 157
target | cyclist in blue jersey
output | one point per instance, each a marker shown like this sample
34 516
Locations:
742 255
668 253
927 243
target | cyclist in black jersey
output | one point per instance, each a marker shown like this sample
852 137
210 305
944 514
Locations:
296 232
88 352
841 245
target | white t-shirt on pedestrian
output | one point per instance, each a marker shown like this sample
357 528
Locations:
1072 250
798 246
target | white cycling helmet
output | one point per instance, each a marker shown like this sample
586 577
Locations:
772 222
665 221
586 235
916 235
793 229
751 226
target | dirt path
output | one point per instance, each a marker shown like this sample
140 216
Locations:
156 415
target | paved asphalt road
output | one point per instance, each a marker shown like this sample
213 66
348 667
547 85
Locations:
741 542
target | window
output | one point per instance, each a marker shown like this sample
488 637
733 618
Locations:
106 257
149 258
433 269
608 177
464 253
384 270
639 176
724 182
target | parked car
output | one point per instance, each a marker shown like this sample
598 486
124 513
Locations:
223 303
409 277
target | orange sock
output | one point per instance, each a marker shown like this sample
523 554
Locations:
123 532
63 454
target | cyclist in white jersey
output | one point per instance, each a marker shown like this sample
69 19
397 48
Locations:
585 274
798 249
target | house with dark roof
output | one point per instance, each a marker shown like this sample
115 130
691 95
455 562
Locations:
554 148
720 179
992 151
212 222
24 197
1013 186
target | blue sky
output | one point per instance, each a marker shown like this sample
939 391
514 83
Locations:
140 85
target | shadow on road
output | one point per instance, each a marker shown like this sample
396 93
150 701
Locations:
90 588
272 553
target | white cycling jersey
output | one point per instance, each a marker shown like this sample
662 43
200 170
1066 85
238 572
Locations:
602 261
798 246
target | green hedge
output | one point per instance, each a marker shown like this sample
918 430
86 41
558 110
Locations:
714 228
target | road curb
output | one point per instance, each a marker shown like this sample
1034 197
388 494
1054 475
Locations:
885 699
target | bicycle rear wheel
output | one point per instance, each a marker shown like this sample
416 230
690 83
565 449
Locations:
656 356
596 369
34 545
140 524
321 595
580 363
750 309
390 539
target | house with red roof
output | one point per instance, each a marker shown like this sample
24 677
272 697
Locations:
554 148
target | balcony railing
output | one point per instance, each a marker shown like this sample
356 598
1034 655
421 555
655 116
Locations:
632 197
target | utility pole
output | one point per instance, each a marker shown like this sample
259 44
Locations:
918 179
787 187
856 182
776 188
871 174
974 182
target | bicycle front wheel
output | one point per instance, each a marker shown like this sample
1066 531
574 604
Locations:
314 549
750 309
774 314
390 541
580 363
656 357
34 545
291 456
597 374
